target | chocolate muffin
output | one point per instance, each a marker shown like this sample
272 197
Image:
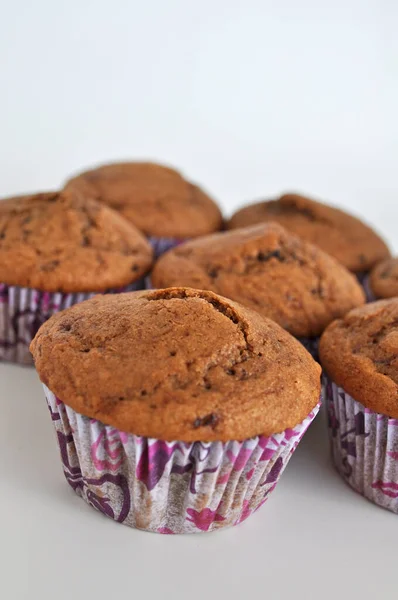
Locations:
360 356
383 279
57 249
338 233
156 199
188 384
269 270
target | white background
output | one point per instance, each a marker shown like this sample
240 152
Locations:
248 98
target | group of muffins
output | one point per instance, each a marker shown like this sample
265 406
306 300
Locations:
181 354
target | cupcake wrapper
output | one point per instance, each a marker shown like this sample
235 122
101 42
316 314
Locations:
364 447
162 244
370 297
24 310
169 487
363 280
311 344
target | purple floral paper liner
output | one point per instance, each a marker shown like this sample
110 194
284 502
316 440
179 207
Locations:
169 487
370 297
364 447
363 280
311 344
162 244
24 310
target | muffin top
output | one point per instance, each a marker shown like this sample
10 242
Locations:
177 364
341 235
360 353
63 242
268 269
384 279
157 199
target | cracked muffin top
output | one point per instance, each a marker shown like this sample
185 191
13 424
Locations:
268 269
156 199
346 238
63 242
177 364
384 279
360 353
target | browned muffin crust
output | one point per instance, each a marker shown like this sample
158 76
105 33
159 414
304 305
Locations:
269 270
63 242
384 279
360 353
338 233
177 364
156 199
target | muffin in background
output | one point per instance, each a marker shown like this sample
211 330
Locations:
57 249
267 269
383 280
176 410
360 356
353 243
162 204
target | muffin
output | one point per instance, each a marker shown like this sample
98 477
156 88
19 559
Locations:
176 410
346 238
269 270
57 249
360 356
383 280
156 199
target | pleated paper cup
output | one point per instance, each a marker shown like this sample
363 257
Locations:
364 446
24 310
311 344
160 245
370 297
169 487
363 279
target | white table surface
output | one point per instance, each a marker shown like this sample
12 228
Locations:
249 99
313 538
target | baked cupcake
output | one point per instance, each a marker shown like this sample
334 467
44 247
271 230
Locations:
383 280
269 270
346 238
57 249
158 200
176 410
360 356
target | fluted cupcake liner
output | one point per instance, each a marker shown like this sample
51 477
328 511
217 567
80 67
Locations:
363 280
169 487
162 244
24 310
311 344
370 297
364 447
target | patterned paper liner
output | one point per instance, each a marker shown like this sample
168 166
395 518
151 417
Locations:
311 344
363 280
364 447
24 310
162 244
370 297
169 487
